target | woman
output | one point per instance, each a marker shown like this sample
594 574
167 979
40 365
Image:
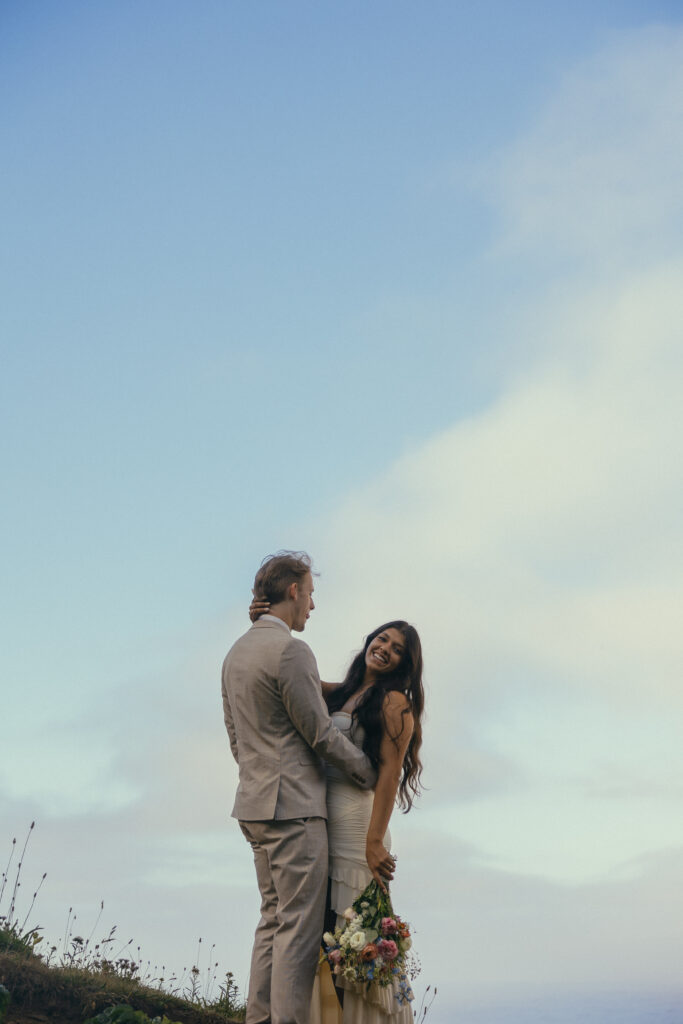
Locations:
379 706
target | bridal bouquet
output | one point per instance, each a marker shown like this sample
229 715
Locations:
373 945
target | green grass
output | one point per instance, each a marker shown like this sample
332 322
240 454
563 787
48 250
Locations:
69 995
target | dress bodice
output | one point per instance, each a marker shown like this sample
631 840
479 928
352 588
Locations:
354 732
344 722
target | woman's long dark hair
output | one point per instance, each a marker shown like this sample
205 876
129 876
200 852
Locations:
369 712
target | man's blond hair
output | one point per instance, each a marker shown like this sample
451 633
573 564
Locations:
278 572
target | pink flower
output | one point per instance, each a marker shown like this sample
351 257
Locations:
388 925
387 948
334 956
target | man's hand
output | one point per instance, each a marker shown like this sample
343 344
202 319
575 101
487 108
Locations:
381 863
257 608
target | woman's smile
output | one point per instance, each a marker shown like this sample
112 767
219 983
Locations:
385 652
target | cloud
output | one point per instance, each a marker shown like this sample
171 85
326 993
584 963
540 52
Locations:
507 933
537 543
598 175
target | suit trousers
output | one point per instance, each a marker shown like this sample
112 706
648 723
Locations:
291 869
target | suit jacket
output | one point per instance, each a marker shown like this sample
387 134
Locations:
279 727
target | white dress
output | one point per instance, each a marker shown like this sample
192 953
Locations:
348 817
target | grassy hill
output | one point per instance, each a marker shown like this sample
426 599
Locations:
39 993
87 980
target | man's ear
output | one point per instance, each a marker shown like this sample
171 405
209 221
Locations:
293 591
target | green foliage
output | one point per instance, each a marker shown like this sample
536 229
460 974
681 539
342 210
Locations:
4 1002
13 940
124 1014
229 1001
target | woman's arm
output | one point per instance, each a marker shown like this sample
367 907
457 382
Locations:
328 689
398 728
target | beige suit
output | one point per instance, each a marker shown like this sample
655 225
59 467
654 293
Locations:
279 730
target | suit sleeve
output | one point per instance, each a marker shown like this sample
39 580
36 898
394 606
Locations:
229 721
302 697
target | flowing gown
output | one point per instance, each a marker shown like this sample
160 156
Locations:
348 817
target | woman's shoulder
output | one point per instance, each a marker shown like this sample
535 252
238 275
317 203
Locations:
398 720
395 703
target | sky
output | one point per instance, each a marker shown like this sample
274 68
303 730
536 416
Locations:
399 285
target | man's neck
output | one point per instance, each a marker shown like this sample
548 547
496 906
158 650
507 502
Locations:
283 611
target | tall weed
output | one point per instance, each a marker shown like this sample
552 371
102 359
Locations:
15 935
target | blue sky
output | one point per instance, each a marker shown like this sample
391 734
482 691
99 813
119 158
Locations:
398 284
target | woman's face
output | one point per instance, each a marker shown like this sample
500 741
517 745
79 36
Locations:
385 652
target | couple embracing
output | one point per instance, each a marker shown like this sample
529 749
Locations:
320 768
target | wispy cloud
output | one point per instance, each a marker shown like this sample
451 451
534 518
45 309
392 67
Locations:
598 175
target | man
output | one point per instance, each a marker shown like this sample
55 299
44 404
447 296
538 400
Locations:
279 730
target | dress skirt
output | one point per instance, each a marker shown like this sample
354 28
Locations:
348 816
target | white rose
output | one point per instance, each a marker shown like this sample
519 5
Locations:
357 940
349 913
328 939
407 943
